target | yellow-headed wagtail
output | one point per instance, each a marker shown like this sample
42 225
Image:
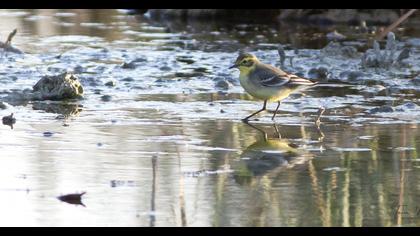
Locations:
266 82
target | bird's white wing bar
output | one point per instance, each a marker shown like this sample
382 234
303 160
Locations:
275 81
299 81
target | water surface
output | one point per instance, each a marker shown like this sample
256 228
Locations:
169 148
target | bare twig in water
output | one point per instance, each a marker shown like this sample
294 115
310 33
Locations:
10 37
395 24
321 110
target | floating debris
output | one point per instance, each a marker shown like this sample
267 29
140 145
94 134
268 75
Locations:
75 198
9 120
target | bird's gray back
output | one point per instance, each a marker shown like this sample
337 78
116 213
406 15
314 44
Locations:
271 76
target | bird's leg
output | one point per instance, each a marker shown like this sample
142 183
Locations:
253 114
277 131
275 112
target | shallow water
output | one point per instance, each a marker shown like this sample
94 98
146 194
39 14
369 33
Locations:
169 148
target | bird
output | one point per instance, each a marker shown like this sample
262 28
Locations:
266 82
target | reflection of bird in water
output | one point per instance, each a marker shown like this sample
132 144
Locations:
269 155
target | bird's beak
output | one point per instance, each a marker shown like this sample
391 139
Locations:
233 66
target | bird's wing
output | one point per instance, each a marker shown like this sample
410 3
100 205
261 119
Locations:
271 76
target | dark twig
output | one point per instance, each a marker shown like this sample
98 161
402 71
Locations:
10 37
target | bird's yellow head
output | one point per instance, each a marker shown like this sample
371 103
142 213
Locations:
245 62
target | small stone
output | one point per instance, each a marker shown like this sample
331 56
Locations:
200 69
384 108
2 106
222 84
129 65
222 111
106 98
320 73
188 74
47 134
111 83
140 59
407 106
128 79
165 68
185 59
